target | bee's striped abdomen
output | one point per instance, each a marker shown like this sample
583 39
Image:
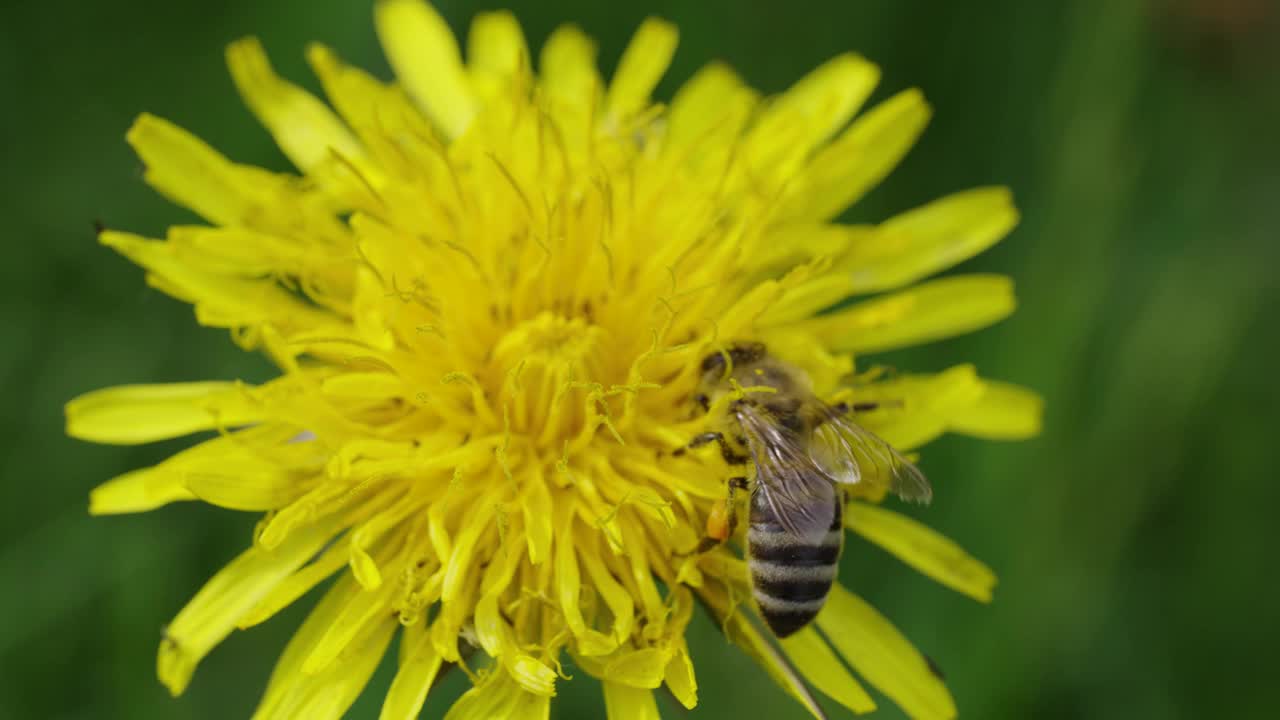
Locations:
790 578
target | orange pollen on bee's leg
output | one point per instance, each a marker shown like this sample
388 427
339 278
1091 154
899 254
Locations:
718 521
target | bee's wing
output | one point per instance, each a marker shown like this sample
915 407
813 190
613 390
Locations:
800 494
850 453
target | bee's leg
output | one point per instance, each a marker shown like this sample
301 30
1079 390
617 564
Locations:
700 440
731 456
723 520
845 408
735 484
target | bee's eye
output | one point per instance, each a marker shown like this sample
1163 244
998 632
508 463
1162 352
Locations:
714 361
703 401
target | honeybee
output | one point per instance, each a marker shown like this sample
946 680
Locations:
804 451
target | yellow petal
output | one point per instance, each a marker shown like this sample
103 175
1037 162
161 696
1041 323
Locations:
680 679
220 300
643 668
712 106
138 491
824 99
567 61
651 504
808 113
498 696
236 251
532 675
785 246
492 629
366 535
641 581
538 521
358 96
705 124
930 311
616 597
641 67
860 158
249 469
463 558
496 53
805 300
362 610
568 77
923 549
297 584
1004 412
365 385
875 648
328 695
244 482
413 680
325 498
410 636
820 666
214 611
186 170
919 408
304 127
568 581
923 241
747 638
424 54
452 617
133 414
623 702
740 318
287 675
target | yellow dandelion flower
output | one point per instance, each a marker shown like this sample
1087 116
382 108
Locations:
489 292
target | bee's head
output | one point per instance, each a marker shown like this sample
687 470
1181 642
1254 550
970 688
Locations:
740 354
714 370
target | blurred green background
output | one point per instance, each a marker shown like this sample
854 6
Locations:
1134 540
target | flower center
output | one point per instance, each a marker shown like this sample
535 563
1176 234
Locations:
536 365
